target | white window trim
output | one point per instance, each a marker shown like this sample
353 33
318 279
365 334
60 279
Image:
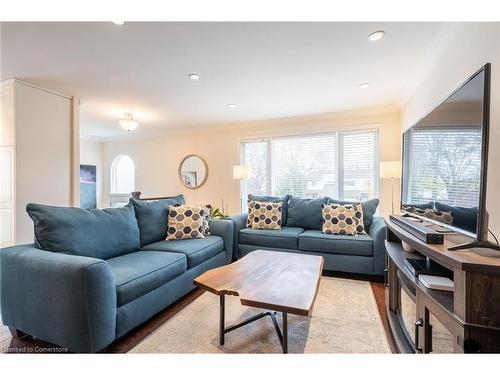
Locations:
118 198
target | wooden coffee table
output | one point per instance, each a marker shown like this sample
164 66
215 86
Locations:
272 280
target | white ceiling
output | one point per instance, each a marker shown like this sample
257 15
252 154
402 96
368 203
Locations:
270 70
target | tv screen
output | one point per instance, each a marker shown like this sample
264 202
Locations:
442 179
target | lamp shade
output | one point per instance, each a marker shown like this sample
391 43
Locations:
241 172
390 169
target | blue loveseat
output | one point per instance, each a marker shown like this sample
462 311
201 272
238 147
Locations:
301 233
93 275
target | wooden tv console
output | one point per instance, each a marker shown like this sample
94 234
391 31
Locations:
422 320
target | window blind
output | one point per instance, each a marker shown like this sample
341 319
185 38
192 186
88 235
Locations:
340 165
359 165
305 166
443 164
255 155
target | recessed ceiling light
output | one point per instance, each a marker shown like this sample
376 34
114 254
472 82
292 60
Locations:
376 35
194 76
364 85
231 105
119 23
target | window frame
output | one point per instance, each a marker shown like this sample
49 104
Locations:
339 159
118 198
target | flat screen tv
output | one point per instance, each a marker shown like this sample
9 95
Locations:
445 157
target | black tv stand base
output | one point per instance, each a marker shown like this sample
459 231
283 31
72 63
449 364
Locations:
471 245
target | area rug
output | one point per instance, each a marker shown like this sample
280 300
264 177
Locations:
345 319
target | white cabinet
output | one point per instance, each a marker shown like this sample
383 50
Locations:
7 215
7 166
7 133
37 155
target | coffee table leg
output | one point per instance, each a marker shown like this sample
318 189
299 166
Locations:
221 321
285 333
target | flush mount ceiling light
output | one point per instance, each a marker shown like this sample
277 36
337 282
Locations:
231 105
376 35
364 85
194 76
128 123
119 23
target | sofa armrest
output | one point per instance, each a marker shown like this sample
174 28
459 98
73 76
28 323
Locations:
224 229
378 232
240 222
64 299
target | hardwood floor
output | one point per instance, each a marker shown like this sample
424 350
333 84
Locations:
27 344
378 290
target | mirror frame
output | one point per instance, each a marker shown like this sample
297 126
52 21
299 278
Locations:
206 171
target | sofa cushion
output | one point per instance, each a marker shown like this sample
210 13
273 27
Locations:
186 222
286 238
140 272
152 217
305 213
197 250
463 217
369 208
317 241
266 215
92 233
266 198
341 219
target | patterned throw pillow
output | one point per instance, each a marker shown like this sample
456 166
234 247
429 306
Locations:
359 216
266 215
340 219
250 205
185 222
445 217
205 228
436 215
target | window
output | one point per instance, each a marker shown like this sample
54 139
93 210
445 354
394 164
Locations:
359 166
255 155
122 180
443 165
304 166
339 165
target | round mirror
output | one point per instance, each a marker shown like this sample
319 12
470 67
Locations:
193 171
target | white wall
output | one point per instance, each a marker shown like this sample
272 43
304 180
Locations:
92 153
43 126
475 45
157 159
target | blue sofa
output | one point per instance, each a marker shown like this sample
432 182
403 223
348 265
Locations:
301 233
93 275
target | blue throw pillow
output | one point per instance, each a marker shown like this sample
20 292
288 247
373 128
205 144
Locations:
265 198
93 233
369 208
463 217
152 217
305 213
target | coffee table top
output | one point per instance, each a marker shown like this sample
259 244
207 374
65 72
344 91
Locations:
274 280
